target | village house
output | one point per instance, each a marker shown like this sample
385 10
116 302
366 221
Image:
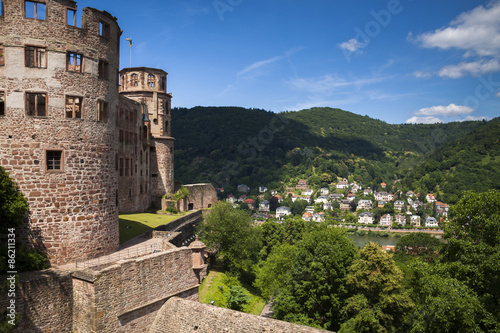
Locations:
328 206
307 192
324 191
231 199
343 184
310 209
398 205
351 196
442 208
264 206
355 188
431 222
365 205
262 189
279 197
410 194
367 191
365 218
296 197
283 211
430 197
384 196
319 217
400 219
242 198
416 204
386 220
242 188
302 184
250 203
383 185
336 196
321 199
381 203
307 216
345 204
415 221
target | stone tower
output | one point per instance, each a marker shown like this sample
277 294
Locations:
148 86
58 137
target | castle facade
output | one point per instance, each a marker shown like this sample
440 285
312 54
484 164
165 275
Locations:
80 146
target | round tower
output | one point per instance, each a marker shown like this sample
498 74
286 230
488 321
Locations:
58 137
149 87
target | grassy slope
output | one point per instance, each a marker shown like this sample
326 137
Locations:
140 223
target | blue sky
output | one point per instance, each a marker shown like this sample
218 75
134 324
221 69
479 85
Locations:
397 60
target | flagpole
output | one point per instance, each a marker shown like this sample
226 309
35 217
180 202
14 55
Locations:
130 41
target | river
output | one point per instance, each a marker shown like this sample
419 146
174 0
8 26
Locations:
362 240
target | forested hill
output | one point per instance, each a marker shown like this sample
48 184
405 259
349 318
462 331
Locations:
229 146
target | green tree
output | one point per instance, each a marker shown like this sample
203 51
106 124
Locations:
229 231
380 301
314 289
13 204
325 178
472 252
237 298
418 244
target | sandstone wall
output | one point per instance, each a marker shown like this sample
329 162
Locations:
126 296
73 212
180 316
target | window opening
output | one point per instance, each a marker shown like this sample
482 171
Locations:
102 111
1 8
36 104
71 17
104 30
73 107
2 59
34 10
103 69
35 57
2 103
74 62
54 159
151 81
135 80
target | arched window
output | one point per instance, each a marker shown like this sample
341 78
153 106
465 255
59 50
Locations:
151 81
135 80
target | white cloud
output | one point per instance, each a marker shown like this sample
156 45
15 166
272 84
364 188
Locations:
259 64
472 118
422 75
498 94
328 83
351 45
476 68
476 31
424 120
450 110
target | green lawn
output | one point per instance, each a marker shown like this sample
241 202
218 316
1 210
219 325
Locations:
210 291
132 225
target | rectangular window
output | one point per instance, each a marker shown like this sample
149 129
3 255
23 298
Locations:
35 57
121 136
36 104
74 62
104 30
71 17
121 166
74 107
102 111
1 8
2 103
54 160
2 59
34 10
103 69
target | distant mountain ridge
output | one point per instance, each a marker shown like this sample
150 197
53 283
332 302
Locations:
230 145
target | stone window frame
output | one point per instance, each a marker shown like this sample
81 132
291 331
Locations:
121 167
2 56
102 110
38 58
36 4
1 8
151 80
75 56
104 30
74 110
59 159
36 112
103 69
134 79
2 103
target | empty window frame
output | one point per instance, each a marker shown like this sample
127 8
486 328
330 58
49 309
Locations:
103 68
104 30
71 17
54 160
74 62
36 104
2 59
35 57
163 83
74 107
34 10
102 111
135 80
151 81
2 103
1 7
